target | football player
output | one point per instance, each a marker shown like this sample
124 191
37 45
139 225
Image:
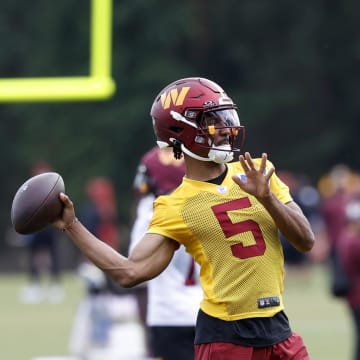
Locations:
228 216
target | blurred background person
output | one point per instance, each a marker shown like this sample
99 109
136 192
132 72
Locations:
105 306
43 259
174 296
348 251
335 190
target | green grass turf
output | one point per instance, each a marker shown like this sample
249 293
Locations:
322 320
28 331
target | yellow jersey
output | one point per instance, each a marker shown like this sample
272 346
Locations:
233 238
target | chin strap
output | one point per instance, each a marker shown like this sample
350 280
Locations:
220 155
191 154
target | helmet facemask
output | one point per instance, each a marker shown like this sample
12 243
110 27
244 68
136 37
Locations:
207 124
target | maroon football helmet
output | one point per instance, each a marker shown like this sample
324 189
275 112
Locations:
186 114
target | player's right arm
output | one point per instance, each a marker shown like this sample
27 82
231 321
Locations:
147 260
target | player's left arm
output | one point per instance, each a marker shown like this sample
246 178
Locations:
291 221
288 217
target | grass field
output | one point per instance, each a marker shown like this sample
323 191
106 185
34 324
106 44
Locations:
29 331
321 319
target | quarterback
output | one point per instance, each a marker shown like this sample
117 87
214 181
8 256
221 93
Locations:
227 213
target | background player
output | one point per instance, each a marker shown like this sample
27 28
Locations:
43 259
173 296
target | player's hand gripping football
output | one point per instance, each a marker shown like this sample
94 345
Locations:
67 217
257 179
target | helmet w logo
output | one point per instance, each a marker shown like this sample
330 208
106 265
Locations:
174 97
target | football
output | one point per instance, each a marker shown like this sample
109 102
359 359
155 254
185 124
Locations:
36 203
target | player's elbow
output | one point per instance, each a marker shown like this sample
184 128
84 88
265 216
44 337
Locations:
306 243
304 247
309 244
128 284
126 279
